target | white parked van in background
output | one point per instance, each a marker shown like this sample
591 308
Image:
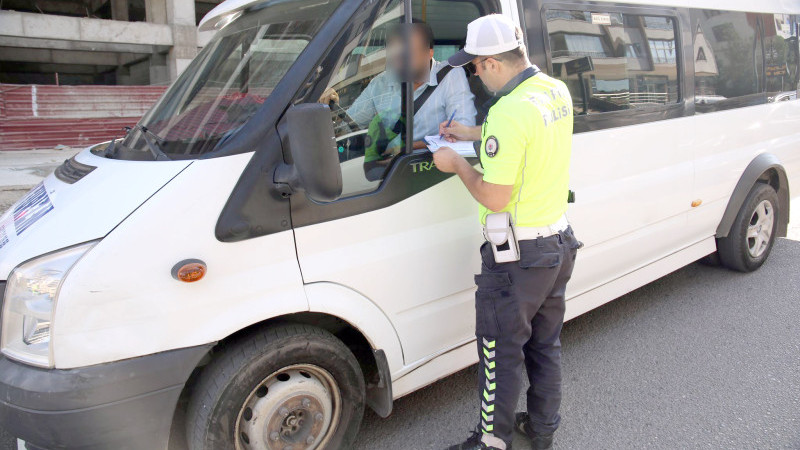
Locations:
230 273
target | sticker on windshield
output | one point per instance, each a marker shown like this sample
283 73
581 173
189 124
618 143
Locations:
35 205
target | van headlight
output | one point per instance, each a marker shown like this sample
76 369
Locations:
29 305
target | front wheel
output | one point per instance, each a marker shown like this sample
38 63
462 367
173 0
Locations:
752 234
290 387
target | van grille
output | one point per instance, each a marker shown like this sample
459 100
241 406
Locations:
72 171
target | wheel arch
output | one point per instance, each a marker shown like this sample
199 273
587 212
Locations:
765 168
365 334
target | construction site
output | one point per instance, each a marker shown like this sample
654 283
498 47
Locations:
75 72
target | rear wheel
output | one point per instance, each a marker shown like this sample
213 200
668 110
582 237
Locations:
291 387
752 234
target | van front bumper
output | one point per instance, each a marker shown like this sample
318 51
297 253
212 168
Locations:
127 404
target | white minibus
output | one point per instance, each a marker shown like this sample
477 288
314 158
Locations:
239 272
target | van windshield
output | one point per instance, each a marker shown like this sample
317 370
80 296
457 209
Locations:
228 81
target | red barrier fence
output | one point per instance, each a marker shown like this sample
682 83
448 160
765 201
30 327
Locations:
38 116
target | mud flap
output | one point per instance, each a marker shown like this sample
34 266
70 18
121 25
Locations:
379 393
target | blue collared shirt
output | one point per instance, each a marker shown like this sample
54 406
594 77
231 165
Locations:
383 95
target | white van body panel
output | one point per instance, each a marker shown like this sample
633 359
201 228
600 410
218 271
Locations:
210 20
632 200
120 300
87 209
360 312
721 155
415 260
439 366
510 8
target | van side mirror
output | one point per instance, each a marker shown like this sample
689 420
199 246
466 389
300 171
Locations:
315 167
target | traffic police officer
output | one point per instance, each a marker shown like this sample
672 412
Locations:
526 143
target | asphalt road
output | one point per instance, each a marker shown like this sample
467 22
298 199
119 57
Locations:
703 358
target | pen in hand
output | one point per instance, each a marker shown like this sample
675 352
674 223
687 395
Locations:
448 123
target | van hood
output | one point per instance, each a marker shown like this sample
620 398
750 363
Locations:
82 201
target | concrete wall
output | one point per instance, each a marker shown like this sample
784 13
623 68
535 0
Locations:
89 47
70 29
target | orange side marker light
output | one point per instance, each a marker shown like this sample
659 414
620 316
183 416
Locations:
189 270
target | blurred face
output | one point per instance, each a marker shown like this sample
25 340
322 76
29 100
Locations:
420 53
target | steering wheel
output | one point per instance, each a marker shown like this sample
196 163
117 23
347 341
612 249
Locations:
341 118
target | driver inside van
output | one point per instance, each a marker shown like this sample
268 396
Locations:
439 92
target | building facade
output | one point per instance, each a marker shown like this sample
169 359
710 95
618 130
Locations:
99 42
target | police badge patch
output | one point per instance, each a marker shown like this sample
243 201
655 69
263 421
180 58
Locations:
491 146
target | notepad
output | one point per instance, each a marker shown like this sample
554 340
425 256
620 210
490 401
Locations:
463 148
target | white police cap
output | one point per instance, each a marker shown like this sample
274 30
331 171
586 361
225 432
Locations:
488 35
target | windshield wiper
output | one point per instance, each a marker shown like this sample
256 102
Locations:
153 141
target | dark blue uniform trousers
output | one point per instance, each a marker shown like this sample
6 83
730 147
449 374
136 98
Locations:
519 310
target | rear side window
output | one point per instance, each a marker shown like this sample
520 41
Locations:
728 60
782 59
614 61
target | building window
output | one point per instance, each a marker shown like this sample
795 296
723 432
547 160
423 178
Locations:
663 51
585 45
658 23
633 50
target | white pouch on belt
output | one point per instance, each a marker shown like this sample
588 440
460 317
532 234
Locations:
499 232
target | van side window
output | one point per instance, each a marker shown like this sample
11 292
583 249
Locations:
727 60
366 101
614 61
781 54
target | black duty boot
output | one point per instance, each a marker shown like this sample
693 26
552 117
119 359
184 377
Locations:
539 441
474 443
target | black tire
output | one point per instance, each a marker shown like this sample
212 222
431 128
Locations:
735 249
242 370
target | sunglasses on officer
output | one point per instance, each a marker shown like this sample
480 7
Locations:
473 68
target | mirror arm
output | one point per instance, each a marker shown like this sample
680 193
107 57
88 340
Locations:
286 179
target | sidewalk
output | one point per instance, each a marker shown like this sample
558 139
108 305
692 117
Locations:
21 170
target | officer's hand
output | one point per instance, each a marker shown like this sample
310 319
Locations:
446 159
451 133
459 132
329 96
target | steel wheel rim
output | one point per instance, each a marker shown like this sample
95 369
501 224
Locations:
294 408
759 229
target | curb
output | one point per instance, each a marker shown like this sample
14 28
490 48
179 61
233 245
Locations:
17 187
